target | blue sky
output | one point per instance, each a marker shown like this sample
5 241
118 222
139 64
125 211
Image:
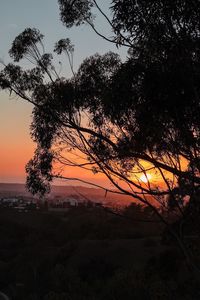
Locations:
16 15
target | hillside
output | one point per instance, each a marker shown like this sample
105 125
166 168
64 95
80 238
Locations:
80 192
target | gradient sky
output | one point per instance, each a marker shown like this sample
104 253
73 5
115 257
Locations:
16 147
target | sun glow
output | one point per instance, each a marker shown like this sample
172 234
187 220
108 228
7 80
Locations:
145 177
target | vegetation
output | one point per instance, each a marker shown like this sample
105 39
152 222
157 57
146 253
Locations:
88 254
121 119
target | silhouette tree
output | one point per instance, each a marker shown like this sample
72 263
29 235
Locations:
121 119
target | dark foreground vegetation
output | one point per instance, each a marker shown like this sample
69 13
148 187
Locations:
120 118
88 253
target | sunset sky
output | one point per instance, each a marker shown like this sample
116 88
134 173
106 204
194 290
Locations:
15 115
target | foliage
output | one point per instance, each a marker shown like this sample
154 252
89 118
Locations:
75 12
49 256
120 119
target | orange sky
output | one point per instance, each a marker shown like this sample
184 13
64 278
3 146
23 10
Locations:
16 145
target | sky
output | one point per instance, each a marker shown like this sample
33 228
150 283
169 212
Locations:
16 146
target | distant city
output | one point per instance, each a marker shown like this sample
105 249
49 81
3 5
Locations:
61 198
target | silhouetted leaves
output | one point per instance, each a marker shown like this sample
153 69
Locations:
25 42
64 45
147 106
39 172
75 12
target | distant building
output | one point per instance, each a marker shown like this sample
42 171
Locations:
72 202
9 200
63 205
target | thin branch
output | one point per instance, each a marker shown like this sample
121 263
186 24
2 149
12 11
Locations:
110 23
104 37
88 183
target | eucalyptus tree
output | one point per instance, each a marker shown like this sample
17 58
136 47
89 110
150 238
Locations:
122 119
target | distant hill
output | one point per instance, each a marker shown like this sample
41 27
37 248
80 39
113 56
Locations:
13 189
80 192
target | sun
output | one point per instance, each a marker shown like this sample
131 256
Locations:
145 177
